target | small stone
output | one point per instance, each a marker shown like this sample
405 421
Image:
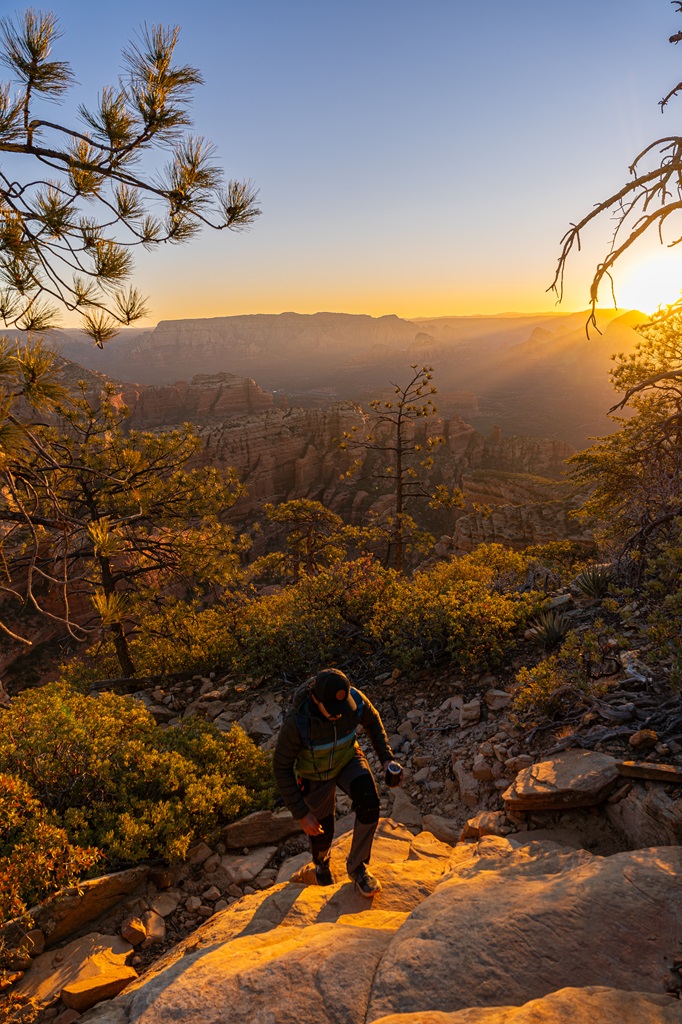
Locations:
165 903
211 863
192 904
133 931
470 714
406 729
220 905
212 894
422 775
518 763
482 769
644 739
488 823
497 699
199 854
205 912
235 891
155 927
468 786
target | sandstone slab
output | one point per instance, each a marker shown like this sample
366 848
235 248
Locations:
476 934
591 1005
241 869
507 926
83 993
81 962
69 909
262 828
576 778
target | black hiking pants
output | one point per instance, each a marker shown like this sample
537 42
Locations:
357 782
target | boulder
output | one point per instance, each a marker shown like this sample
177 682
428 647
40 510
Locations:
82 967
260 829
69 909
242 869
576 778
591 1005
507 926
487 823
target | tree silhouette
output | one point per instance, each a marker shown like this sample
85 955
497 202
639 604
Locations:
402 457
67 234
645 203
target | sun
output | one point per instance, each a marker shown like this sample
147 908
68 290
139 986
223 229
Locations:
650 281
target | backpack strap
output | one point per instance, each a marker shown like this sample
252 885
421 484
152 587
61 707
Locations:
359 702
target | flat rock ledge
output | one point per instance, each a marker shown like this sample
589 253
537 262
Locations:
490 932
576 778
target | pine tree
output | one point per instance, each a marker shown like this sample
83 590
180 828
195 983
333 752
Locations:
69 225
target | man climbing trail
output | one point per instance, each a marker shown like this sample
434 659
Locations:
316 752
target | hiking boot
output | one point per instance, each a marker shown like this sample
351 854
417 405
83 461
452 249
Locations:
323 873
365 882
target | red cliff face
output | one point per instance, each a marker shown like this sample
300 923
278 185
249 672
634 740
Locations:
209 397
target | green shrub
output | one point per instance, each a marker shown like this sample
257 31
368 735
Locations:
435 615
550 627
594 580
104 775
581 663
36 857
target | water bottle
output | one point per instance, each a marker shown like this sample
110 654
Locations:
394 774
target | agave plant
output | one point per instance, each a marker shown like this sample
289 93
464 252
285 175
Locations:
594 581
550 627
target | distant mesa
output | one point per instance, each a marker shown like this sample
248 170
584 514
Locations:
536 374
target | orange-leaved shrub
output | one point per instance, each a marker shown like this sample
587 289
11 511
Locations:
98 774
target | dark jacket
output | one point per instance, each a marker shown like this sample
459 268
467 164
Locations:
324 749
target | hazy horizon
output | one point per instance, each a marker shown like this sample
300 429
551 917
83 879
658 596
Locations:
407 159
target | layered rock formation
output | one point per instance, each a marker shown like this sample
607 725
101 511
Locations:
207 398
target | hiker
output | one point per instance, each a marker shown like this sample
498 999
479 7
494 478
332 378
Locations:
316 752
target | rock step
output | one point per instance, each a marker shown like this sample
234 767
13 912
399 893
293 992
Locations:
491 925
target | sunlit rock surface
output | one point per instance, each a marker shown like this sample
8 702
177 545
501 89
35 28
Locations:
488 925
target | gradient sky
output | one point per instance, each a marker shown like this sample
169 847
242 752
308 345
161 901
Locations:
412 158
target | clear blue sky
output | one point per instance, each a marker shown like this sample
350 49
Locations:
417 158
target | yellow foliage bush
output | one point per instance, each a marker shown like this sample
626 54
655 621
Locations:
97 774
